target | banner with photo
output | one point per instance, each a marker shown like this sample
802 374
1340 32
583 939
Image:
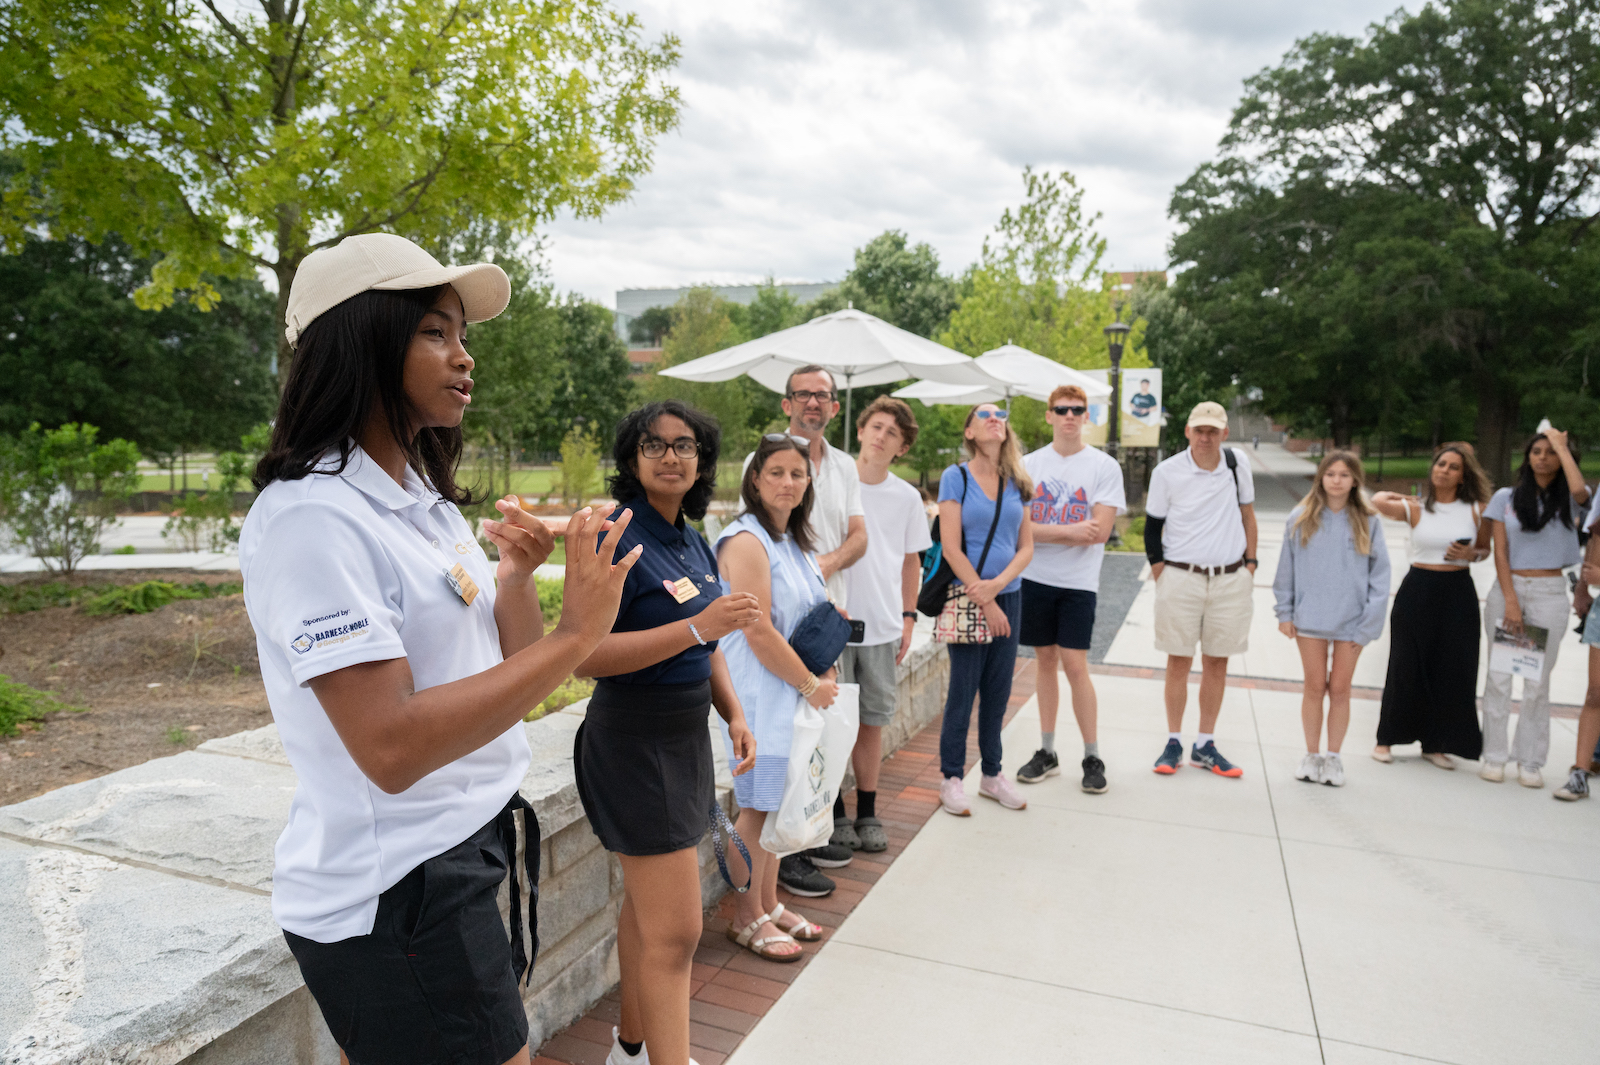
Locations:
1099 423
1142 413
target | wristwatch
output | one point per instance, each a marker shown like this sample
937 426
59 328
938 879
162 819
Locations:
912 614
1252 562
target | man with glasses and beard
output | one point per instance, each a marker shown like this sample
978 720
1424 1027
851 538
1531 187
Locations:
839 526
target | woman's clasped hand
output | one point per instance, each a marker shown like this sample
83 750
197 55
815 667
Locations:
726 613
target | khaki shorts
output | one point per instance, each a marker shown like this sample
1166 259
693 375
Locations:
1211 611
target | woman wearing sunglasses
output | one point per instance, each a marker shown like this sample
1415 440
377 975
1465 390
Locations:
988 541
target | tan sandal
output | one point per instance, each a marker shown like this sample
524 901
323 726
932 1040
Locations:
758 947
804 931
1381 754
1439 759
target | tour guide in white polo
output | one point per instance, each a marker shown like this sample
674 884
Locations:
1200 538
399 663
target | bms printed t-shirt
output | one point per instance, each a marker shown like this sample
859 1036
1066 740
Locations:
977 514
1066 489
346 568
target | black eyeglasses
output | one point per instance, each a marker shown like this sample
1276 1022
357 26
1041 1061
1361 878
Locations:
806 397
1001 414
685 447
1064 409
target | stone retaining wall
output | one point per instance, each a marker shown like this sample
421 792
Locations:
135 918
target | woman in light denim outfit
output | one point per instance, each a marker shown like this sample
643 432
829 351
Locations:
1332 590
1535 531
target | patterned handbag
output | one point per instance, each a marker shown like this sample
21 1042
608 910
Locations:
961 621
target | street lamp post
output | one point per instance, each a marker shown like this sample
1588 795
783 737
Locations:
1116 335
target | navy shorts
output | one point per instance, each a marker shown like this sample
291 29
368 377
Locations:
1056 617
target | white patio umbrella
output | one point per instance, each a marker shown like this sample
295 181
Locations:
851 344
996 376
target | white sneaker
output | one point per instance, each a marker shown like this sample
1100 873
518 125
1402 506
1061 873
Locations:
1529 776
953 797
1493 772
618 1056
1333 770
1310 769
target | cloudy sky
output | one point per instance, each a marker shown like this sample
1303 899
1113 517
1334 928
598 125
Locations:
810 126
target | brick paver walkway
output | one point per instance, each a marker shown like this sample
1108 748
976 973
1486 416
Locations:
733 988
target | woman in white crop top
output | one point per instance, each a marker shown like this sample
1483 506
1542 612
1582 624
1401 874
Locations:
1431 691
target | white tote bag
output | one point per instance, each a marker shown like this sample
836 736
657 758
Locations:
819 751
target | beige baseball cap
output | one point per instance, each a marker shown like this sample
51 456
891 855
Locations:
1209 413
384 261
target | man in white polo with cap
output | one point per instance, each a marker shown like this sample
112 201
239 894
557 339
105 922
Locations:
1200 538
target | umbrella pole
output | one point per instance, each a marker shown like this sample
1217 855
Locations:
849 395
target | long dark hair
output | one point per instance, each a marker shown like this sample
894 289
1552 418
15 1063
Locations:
1475 486
1535 506
639 425
800 516
350 358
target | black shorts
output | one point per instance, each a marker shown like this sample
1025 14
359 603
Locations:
1056 617
434 982
643 765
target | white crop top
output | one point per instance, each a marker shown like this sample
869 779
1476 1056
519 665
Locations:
1434 532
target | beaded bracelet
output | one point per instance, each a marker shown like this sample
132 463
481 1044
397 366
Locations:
696 634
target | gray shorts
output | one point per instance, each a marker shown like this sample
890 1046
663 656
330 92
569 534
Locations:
873 667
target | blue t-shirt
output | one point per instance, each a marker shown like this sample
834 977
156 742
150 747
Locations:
977 514
671 552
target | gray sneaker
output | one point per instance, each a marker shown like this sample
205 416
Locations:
1576 787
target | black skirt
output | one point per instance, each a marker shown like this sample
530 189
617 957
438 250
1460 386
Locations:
643 763
436 981
1431 694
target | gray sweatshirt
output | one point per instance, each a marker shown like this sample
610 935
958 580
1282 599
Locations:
1326 588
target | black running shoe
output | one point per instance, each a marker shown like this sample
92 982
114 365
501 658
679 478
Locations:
1043 764
800 877
1094 775
830 855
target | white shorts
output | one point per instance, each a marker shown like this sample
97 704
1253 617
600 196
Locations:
1212 611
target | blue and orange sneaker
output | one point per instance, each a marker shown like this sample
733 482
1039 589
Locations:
1208 757
1170 759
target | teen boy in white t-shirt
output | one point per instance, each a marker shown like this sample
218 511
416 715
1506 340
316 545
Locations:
1078 494
883 594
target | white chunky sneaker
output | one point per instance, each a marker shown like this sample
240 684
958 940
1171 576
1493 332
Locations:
1493 772
618 1056
1333 770
1529 776
1310 769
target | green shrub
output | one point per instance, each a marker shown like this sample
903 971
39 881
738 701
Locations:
571 690
60 488
1133 536
549 599
19 703
147 596
578 471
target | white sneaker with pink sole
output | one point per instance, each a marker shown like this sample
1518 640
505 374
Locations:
1001 790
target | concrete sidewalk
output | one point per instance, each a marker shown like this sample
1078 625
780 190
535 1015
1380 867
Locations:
1411 915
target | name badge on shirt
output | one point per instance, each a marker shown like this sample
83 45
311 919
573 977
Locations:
462 582
682 589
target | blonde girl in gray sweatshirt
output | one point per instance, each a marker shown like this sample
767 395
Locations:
1332 591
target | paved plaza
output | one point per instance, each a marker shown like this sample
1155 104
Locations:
1413 915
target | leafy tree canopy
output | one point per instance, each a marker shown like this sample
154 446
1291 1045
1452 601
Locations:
1416 205
899 283
74 347
224 140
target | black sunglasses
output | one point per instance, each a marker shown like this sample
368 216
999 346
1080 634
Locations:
1064 409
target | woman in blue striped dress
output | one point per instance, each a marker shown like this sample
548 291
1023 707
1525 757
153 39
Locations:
768 552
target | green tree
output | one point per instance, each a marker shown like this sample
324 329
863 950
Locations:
650 326
60 488
1038 282
703 322
1479 118
901 284
77 349
594 387
227 141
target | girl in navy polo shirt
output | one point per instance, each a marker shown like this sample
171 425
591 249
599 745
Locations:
643 756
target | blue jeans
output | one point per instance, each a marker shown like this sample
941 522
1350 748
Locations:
980 671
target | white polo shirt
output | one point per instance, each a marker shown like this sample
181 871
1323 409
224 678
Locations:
1203 527
346 568
837 488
